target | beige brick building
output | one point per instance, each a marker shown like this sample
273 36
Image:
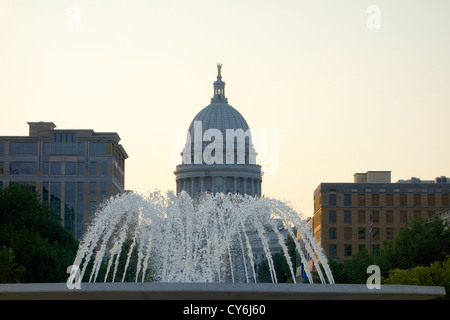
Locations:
365 213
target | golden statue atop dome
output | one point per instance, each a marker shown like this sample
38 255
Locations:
219 69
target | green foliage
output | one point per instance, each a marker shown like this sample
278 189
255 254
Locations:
39 242
437 274
10 271
280 264
419 276
420 243
353 271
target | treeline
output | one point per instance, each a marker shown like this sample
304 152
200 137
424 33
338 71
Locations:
34 247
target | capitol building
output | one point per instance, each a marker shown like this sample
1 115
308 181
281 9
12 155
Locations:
219 156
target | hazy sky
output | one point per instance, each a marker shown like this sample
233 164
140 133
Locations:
343 97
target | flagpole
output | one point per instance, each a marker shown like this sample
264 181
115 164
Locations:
371 232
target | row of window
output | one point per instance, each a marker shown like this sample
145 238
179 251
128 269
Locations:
348 248
61 144
374 200
56 168
363 233
375 216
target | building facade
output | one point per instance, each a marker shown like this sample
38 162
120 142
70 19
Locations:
351 216
72 170
219 155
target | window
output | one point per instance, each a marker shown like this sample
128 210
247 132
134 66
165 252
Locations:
348 250
431 200
361 217
93 168
445 199
80 147
347 216
403 201
55 168
80 168
55 197
16 168
332 199
332 234
389 233
332 250
332 217
104 188
376 233
417 200
417 214
376 216
403 216
70 197
23 148
361 233
63 143
30 186
361 199
1 169
104 167
101 148
389 200
347 199
348 233
71 168
375 200
1 148
46 148
389 217
92 187
46 167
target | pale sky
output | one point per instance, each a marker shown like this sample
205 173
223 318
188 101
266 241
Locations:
344 98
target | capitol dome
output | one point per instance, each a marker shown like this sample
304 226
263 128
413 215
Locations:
219 155
221 116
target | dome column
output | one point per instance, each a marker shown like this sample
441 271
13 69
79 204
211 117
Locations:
202 184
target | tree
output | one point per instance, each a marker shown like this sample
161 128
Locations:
39 242
353 271
421 243
10 271
437 274
281 266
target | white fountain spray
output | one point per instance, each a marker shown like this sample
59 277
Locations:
209 239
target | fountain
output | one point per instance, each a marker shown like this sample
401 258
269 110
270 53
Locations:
172 247
176 239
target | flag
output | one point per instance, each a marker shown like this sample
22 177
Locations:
371 224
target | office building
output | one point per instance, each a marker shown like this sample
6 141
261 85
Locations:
72 170
365 213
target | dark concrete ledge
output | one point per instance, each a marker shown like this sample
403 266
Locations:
217 291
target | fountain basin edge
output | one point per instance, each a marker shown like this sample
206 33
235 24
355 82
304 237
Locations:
216 291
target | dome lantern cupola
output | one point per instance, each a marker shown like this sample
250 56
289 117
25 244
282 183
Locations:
219 87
